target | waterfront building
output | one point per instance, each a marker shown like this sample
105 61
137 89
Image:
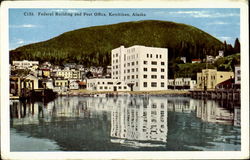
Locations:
20 84
196 60
68 73
106 84
73 85
24 64
142 68
31 82
47 84
237 74
181 83
61 85
209 78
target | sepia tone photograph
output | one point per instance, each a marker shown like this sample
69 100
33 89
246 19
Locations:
154 79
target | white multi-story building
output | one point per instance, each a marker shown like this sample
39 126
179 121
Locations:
24 64
142 68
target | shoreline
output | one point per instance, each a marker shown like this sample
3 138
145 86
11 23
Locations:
86 92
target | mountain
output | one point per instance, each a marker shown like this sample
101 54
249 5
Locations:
93 45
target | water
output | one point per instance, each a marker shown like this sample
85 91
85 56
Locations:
125 123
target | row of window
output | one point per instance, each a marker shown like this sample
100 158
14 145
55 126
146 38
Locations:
119 87
153 76
153 84
156 56
153 69
132 70
153 63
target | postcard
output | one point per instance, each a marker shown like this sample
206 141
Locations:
124 80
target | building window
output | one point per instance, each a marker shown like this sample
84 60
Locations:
145 76
153 76
128 70
137 61
153 69
162 84
153 105
160 55
128 77
153 84
136 69
157 56
119 87
132 77
145 62
124 71
100 87
150 55
154 63
105 87
133 63
162 69
162 76
133 70
221 76
136 76
136 84
162 63
145 84
110 83
124 65
125 87
124 77
128 64
147 55
145 69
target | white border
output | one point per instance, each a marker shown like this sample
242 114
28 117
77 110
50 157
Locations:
4 80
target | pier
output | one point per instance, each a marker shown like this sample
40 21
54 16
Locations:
218 94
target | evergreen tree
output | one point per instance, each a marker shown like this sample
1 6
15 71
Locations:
237 46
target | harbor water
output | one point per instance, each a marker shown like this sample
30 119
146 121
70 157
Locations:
125 123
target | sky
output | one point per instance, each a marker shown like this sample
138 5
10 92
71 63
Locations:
35 25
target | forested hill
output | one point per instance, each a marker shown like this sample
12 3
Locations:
93 45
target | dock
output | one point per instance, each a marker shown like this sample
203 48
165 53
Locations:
218 94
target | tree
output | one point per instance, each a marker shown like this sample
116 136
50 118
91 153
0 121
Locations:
237 46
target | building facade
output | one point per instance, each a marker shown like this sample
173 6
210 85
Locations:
24 64
106 84
209 78
142 68
181 83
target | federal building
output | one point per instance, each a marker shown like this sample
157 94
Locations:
141 68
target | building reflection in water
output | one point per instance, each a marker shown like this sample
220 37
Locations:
135 121
140 119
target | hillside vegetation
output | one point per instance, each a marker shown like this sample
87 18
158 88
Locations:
93 45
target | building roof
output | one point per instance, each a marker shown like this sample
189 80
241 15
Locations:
196 59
